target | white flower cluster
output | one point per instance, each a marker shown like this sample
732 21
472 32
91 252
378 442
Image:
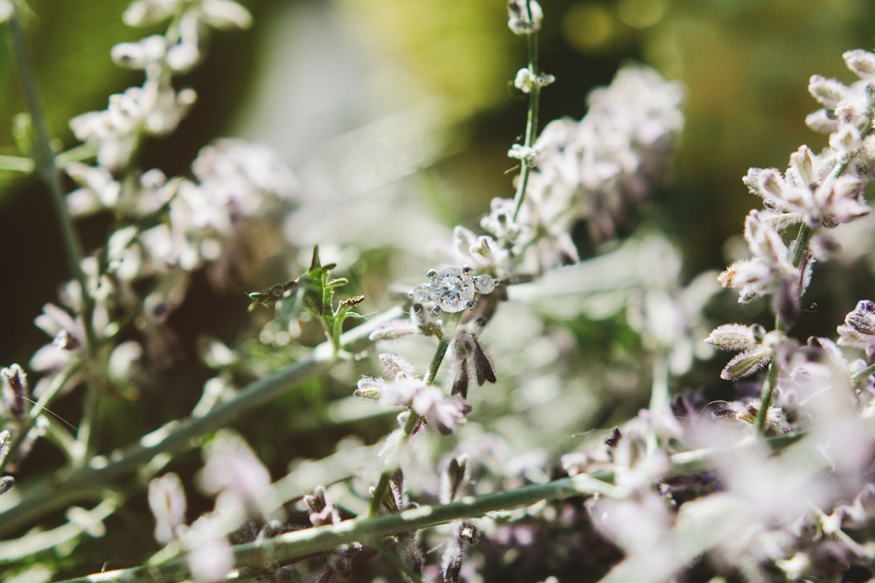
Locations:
592 170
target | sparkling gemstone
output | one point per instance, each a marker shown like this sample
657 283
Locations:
421 294
484 284
452 290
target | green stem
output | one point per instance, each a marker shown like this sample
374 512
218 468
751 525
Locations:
75 154
759 424
44 160
860 375
396 561
82 445
659 394
394 458
302 543
16 164
531 117
80 483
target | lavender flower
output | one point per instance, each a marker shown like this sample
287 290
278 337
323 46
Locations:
209 554
168 504
405 389
467 357
524 16
807 190
858 330
770 271
234 473
16 392
755 347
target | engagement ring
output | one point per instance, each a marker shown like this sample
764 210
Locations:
452 289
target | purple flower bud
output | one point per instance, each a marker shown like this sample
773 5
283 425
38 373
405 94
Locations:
15 390
6 483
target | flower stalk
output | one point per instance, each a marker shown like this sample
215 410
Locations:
413 420
799 248
532 114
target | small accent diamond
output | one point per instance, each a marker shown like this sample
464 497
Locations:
484 284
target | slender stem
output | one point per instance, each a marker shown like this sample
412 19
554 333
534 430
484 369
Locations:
397 561
531 117
302 543
801 244
394 458
38 541
75 154
759 424
83 435
16 164
80 483
438 357
659 395
44 160
860 375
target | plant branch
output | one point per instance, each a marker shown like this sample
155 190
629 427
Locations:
80 483
301 543
394 458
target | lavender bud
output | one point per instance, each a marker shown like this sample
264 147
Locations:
827 91
394 500
322 512
524 16
860 62
15 390
746 363
732 337
65 341
460 385
453 479
614 439
451 561
482 365
6 483
168 505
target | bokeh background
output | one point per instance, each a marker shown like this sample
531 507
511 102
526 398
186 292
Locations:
310 72
408 105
